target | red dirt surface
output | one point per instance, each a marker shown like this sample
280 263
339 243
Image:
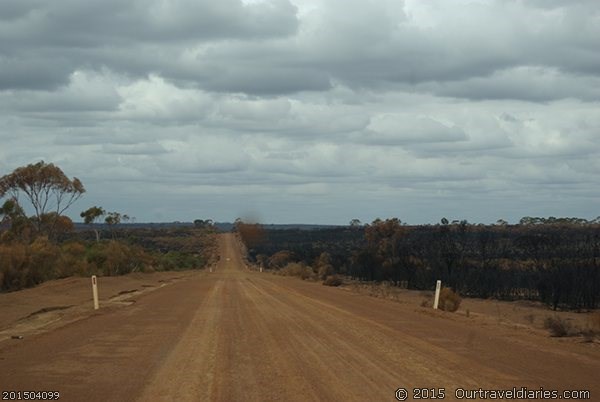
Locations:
236 334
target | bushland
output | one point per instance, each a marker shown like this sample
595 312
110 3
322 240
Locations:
553 260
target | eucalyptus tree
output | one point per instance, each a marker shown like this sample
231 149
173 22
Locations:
46 188
90 216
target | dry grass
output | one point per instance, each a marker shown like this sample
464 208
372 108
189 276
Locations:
561 327
382 290
428 299
558 327
522 314
530 318
592 330
594 321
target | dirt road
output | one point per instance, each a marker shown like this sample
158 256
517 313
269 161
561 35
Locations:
239 335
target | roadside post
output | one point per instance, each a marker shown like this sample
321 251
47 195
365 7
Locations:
261 269
438 287
95 292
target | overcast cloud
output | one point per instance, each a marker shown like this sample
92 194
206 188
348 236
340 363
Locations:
315 111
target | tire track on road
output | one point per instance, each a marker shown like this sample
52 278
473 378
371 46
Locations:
386 350
189 371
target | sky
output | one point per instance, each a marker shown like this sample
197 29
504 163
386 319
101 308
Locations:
308 111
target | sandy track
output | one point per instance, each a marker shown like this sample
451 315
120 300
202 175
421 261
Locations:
237 335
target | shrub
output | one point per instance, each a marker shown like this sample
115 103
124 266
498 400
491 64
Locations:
325 271
557 326
44 255
449 300
13 259
280 259
72 261
333 280
175 260
117 258
296 269
25 265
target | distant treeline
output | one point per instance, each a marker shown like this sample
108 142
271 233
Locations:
554 260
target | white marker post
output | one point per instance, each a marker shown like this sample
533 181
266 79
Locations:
210 269
438 287
260 269
95 292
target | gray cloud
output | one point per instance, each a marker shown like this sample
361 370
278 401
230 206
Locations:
134 149
85 92
307 110
25 72
265 49
406 129
526 83
79 35
71 23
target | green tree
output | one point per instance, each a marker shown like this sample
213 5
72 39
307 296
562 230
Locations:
12 215
355 223
90 216
112 219
10 211
201 223
49 191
